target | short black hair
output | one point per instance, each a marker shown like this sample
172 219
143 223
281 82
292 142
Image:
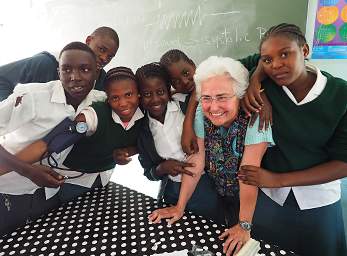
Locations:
107 31
117 74
290 31
78 46
174 56
153 70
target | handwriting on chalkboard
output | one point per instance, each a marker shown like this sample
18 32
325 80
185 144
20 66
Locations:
187 18
224 38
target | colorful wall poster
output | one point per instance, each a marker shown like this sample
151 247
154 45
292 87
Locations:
330 33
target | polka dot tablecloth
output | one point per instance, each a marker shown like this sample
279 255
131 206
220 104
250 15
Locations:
113 221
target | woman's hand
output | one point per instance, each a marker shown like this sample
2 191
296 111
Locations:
256 176
236 237
174 168
172 213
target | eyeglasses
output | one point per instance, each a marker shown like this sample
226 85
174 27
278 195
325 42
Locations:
219 98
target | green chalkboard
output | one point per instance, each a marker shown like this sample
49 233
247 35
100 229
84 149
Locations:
148 28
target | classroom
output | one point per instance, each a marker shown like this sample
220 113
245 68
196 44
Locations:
120 218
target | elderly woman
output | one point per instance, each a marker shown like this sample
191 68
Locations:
225 143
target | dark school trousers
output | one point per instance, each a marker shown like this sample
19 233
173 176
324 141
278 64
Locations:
318 231
70 191
17 210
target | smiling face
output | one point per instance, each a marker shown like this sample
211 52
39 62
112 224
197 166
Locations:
283 60
154 97
123 97
220 113
181 74
77 72
104 47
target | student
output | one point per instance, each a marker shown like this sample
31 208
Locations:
43 66
29 114
112 129
181 70
160 152
310 130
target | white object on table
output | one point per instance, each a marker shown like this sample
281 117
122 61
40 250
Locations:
250 248
175 253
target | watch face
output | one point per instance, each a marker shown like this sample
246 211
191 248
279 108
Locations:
81 127
245 225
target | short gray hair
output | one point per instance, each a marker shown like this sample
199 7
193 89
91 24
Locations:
215 66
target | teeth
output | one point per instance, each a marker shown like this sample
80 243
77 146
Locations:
77 88
216 114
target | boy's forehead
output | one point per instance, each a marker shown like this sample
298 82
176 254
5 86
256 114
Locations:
74 56
107 40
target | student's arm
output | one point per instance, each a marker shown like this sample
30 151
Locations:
236 236
188 185
41 67
35 151
188 138
331 170
255 101
319 174
40 175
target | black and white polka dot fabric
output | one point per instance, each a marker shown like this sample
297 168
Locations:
113 221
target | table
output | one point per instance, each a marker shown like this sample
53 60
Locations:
113 221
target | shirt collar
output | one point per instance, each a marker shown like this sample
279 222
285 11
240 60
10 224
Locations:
171 107
316 89
58 94
180 96
137 115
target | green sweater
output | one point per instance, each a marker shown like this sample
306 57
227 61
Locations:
310 134
94 153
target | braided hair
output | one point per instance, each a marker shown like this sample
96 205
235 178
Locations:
174 56
290 31
153 70
117 74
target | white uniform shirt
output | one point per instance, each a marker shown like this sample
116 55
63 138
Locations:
29 114
314 196
92 119
167 136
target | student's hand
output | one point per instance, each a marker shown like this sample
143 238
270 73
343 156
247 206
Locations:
252 101
174 168
256 176
171 214
189 141
265 114
121 156
236 237
43 176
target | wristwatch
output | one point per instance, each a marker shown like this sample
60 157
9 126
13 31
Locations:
81 127
245 225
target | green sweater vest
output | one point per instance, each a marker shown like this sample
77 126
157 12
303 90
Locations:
94 153
310 134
